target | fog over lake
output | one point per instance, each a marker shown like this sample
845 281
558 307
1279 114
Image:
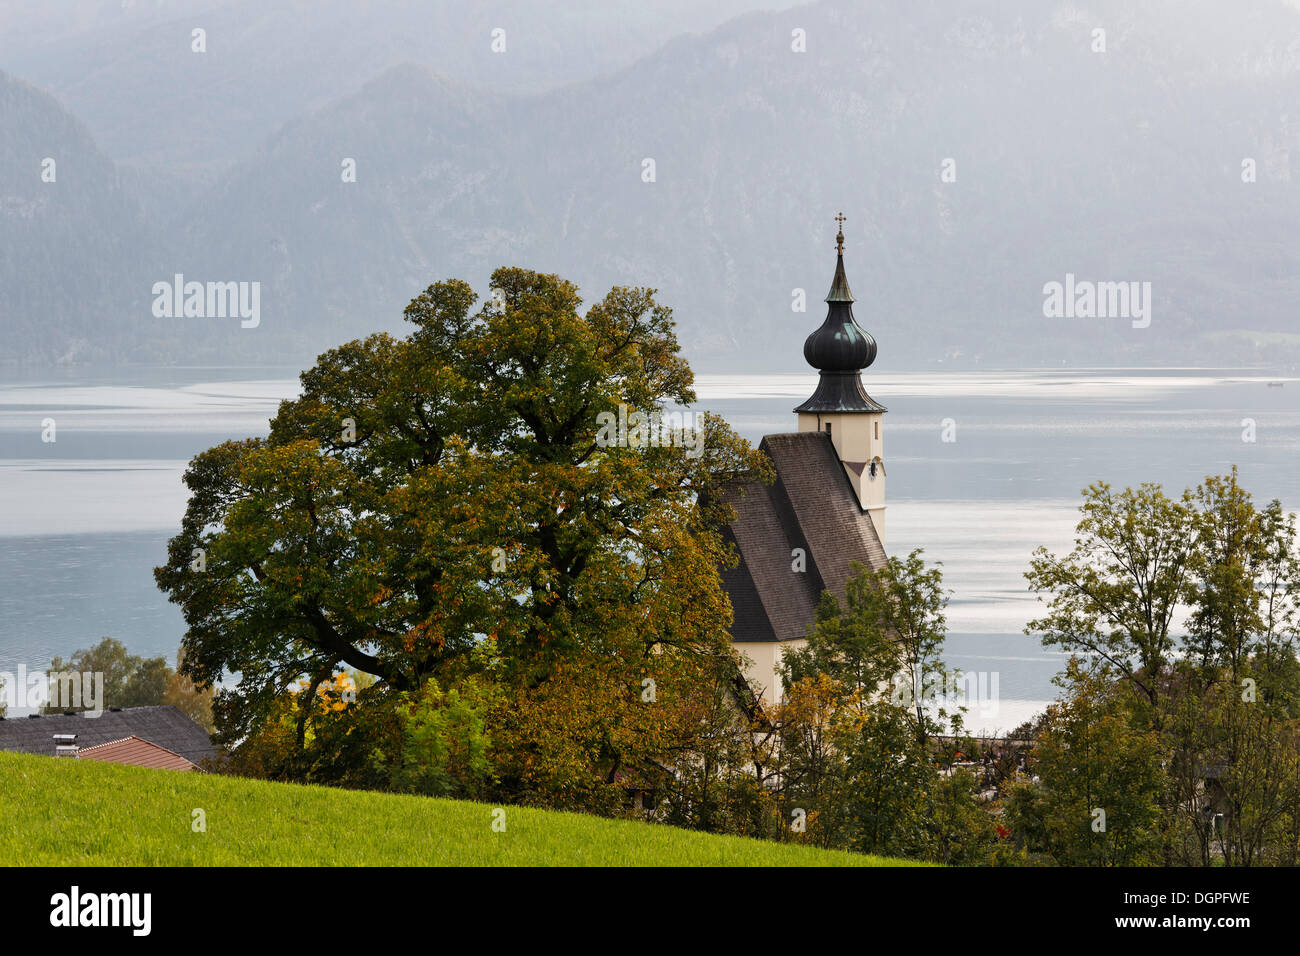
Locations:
87 517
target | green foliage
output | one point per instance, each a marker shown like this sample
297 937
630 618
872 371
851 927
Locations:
1203 763
1246 586
132 681
1101 776
445 740
888 633
129 681
961 830
1115 595
1233 776
1023 810
856 726
881 799
148 683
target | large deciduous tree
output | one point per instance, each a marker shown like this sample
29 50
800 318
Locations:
440 499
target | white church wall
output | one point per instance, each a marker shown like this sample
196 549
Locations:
763 658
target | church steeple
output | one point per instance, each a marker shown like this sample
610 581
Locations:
840 349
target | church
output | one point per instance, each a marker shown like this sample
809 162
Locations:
825 510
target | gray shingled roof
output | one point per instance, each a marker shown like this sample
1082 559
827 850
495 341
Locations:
164 726
810 505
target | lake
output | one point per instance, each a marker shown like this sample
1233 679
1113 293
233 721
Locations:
85 518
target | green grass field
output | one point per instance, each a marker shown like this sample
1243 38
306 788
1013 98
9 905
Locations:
69 812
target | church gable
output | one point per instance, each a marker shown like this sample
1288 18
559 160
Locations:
810 506
836 528
771 602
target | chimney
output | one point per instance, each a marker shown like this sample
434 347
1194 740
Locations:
65 745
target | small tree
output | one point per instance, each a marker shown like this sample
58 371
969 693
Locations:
886 637
1226 617
811 752
961 830
446 744
1100 775
129 681
1116 594
1222 713
193 701
1234 769
856 727
1278 583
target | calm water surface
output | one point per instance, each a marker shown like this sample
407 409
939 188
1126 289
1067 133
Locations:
84 519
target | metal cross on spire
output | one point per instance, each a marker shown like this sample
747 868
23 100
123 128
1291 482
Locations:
840 285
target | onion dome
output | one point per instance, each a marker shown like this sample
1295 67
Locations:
840 345
840 348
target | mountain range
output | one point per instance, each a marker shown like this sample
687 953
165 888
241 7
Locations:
981 150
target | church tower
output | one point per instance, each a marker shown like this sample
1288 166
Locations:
840 349
803 535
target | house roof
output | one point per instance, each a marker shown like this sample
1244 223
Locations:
810 505
163 726
138 753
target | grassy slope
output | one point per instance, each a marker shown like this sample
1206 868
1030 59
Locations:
69 812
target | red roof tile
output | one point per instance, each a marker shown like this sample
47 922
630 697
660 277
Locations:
137 752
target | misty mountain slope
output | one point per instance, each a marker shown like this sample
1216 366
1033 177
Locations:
68 242
337 259
151 100
1067 161
1122 166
